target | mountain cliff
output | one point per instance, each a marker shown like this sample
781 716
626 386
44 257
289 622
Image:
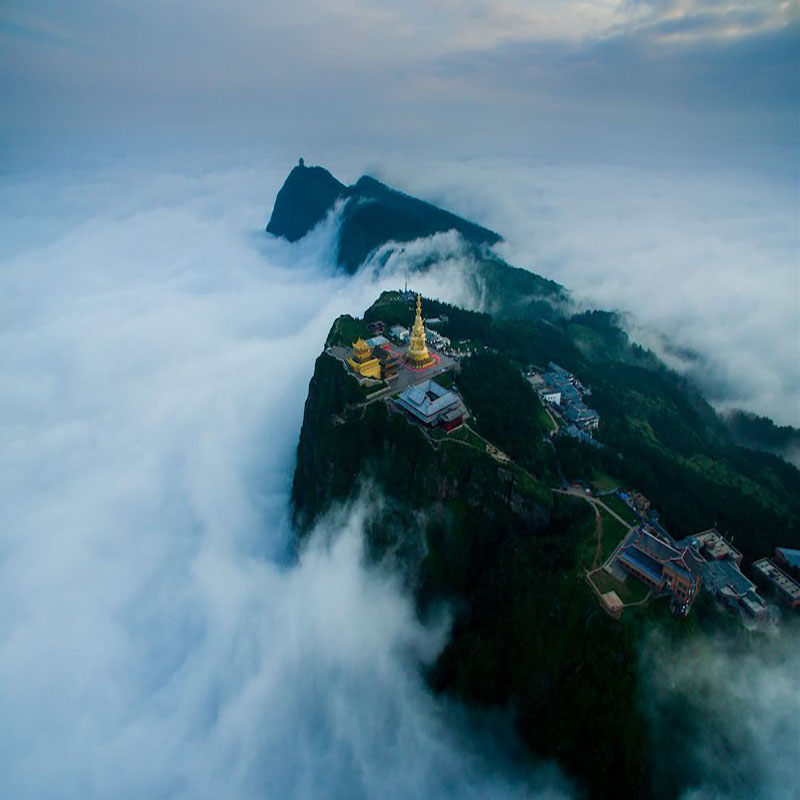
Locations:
306 196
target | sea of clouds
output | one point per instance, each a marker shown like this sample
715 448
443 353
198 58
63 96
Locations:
156 638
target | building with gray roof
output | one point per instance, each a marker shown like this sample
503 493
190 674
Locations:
712 545
430 403
400 333
785 587
725 581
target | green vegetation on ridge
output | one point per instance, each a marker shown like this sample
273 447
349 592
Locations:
530 635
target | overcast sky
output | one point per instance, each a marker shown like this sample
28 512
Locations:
619 76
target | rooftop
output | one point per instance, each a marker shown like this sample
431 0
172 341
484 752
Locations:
656 527
790 556
778 577
716 545
654 547
579 412
725 573
612 601
643 561
427 399
651 550
754 603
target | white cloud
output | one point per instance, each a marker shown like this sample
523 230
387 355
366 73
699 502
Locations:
735 697
704 257
155 353
154 641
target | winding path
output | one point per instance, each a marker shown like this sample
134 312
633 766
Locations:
597 503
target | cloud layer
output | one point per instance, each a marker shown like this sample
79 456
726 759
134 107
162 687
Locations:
703 261
739 711
154 640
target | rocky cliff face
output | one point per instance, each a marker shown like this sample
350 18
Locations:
375 214
303 201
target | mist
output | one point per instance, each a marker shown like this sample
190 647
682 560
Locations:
156 637
701 261
736 702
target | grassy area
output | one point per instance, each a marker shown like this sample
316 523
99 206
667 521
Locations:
602 481
546 420
613 533
346 330
631 591
616 503
464 434
588 544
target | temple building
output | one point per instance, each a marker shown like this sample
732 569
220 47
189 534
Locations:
389 363
662 567
417 355
362 362
432 405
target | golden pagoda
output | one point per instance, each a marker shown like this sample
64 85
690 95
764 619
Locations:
418 355
362 362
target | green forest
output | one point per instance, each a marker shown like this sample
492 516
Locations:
491 540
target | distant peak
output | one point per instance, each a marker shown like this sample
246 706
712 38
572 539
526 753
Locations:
309 193
368 183
304 199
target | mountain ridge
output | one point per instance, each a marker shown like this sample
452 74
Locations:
369 221
473 520
375 214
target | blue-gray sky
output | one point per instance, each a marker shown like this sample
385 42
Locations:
681 75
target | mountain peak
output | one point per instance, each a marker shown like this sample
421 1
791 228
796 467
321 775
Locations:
378 214
303 201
